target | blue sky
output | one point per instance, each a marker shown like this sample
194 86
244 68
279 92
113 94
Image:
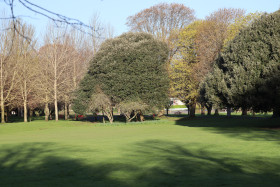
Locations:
115 12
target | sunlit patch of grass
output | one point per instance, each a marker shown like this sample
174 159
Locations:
174 151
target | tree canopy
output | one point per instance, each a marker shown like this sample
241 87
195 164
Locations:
250 66
131 67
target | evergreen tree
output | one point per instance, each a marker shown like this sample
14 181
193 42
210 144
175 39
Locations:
251 66
213 90
131 67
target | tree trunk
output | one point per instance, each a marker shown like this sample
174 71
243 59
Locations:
2 104
30 115
47 112
216 112
2 110
276 112
56 110
6 114
25 111
103 117
192 109
202 110
228 111
65 111
110 117
109 113
50 114
244 112
55 102
2 95
19 112
25 102
55 89
160 113
209 110
142 118
130 115
68 111
94 116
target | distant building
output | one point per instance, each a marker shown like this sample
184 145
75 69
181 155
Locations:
176 101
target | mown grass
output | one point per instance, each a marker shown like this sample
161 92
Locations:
178 106
205 151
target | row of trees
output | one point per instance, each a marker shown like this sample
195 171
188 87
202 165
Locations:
194 45
200 43
246 74
43 77
211 62
130 72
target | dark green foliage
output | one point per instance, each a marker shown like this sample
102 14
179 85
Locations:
213 90
128 67
82 96
250 65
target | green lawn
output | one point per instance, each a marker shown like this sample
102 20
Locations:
172 151
178 106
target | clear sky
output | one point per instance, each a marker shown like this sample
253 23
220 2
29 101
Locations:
115 12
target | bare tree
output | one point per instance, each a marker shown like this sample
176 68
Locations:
76 60
164 21
54 54
55 17
101 102
211 37
8 68
26 63
44 82
131 109
96 38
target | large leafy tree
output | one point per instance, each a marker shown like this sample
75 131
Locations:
218 30
183 81
131 67
251 65
199 45
164 21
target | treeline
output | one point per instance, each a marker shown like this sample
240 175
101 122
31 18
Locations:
246 73
42 75
230 60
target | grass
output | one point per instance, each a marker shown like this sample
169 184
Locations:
178 106
173 151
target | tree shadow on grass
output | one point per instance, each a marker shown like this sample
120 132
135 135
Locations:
31 164
246 128
147 163
179 166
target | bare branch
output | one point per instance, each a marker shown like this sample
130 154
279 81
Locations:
56 18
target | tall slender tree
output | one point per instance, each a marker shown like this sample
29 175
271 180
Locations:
54 53
8 67
26 56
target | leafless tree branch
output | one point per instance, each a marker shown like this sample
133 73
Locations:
56 18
